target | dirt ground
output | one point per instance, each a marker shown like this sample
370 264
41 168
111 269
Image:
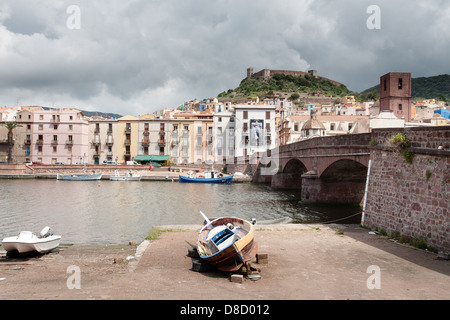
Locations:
304 262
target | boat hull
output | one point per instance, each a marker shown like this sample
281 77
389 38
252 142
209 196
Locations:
225 179
39 245
79 177
236 254
125 178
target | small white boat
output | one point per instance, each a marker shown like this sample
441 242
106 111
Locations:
129 176
28 241
79 177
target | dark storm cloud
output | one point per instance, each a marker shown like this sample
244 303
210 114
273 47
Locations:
138 56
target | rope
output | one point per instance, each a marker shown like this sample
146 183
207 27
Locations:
341 218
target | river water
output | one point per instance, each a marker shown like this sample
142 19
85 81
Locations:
110 212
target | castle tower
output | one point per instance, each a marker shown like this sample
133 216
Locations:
395 94
249 73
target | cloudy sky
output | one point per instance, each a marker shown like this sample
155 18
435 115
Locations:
137 56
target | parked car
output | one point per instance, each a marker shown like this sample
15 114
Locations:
59 163
36 162
133 163
154 164
109 162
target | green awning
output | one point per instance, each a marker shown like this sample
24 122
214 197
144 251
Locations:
159 158
147 158
143 157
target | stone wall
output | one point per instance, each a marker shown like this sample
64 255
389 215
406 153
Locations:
411 199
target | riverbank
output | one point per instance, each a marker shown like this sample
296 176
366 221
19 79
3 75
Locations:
147 175
304 262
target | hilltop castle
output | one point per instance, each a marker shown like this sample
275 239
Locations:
268 73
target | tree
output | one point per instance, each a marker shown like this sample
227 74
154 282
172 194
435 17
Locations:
10 126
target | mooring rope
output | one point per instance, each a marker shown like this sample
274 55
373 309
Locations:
341 218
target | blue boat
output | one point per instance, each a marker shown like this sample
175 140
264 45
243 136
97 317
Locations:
209 177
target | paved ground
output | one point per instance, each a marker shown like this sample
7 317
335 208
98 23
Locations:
304 262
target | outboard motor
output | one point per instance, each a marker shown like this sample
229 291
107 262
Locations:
45 232
253 221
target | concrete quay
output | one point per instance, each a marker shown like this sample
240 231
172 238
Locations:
304 262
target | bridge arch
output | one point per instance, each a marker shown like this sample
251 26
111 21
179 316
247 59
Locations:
344 181
294 166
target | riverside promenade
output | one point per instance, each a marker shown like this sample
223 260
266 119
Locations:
321 262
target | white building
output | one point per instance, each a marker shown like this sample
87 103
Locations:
254 129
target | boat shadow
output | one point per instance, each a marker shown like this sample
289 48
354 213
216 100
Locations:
14 256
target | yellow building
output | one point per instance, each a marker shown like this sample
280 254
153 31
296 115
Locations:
349 99
127 138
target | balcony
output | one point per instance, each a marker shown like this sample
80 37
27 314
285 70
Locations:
146 133
40 142
161 144
54 142
27 142
145 143
69 142
96 140
127 142
109 140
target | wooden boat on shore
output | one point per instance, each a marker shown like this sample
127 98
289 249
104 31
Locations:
129 176
28 241
207 177
227 243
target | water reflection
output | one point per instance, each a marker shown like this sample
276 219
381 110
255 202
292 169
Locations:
117 212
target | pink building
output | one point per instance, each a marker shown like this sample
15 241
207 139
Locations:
59 136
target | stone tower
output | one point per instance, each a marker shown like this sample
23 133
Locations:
249 73
395 94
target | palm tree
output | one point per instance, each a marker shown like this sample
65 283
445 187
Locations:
10 125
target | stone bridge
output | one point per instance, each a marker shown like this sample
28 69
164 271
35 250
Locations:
325 169
408 185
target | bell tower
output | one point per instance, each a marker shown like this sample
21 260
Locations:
395 94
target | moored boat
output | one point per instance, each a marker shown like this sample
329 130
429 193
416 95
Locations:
129 176
28 241
211 176
79 177
227 243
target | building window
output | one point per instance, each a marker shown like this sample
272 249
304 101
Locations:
41 117
55 127
400 84
54 149
267 115
400 106
384 84
245 114
70 127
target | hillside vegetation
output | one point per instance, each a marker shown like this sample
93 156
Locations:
285 83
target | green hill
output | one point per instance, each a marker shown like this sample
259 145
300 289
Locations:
251 87
436 87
